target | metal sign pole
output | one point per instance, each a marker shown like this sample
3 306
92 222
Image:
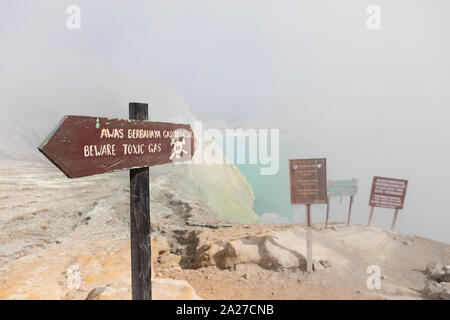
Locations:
395 219
371 215
350 210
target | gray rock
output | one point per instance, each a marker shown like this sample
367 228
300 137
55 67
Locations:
446 292
433 266
275 251
446 277
433 289
436 270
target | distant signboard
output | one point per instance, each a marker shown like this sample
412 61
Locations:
388 193
339 188
308 178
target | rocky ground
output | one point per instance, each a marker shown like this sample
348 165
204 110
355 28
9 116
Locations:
69 239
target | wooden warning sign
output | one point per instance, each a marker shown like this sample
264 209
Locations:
308 181
83 146
387 193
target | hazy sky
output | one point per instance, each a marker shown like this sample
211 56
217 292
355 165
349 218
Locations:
374 102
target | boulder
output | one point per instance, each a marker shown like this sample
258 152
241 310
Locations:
436 271
445 294
433 289
169 289
242 251
446 277
280 256
279 250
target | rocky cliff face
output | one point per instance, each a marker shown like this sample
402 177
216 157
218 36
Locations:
223 190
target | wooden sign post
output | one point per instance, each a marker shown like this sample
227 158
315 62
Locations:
141 256
350 210
340 188
387 193
308 181
328 212
372 208
84 146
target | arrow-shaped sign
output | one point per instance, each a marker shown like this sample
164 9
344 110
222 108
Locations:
83 146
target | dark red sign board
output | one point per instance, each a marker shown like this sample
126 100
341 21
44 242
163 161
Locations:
83 146
388 193
308 178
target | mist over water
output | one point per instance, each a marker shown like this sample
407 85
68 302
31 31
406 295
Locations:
421 217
